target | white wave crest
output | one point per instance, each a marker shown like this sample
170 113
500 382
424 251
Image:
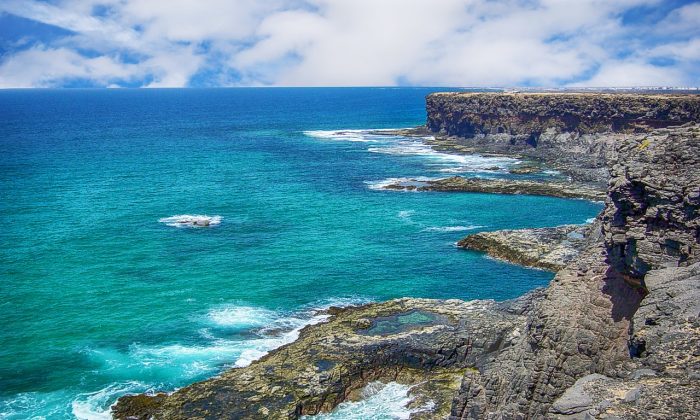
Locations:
189 220
452 228
387 141
360 136
405 182
96 405
242 316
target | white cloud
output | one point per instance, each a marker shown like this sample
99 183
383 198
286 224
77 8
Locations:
47 67
360 42
634 73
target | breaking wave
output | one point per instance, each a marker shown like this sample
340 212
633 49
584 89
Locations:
378 402
452 228
188 220
386 141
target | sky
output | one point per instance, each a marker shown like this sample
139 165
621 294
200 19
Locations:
475 43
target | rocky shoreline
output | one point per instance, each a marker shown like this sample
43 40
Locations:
616 334
427 343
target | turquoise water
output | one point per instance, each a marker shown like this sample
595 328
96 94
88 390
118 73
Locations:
98 298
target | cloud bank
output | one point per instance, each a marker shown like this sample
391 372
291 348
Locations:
175 43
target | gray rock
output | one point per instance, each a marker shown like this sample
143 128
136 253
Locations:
652 217
576 399
547 248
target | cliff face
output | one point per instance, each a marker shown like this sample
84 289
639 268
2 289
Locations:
575 132
588 344
652 216
531 114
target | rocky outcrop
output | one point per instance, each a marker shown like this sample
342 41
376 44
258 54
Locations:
590 350
547 248
653 214
663 380
580 328
426 343
500 186
575 132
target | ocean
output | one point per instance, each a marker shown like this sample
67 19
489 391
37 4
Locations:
103 292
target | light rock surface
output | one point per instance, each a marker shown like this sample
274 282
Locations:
547 248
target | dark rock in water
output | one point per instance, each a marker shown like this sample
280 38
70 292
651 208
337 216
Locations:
500 186
186 220
525 170
547 248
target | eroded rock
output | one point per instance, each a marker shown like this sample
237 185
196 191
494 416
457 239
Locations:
423 342
548 248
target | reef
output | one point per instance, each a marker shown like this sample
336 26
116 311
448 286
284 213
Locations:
616 334
500 186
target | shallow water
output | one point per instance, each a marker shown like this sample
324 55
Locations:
99 298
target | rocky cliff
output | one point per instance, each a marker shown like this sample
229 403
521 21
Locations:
590 336
654 201
575 132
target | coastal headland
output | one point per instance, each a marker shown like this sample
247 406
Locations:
616 334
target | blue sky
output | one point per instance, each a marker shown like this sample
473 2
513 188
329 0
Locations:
195 43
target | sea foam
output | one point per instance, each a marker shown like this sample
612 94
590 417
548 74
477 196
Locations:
189 220
379 402
231 336
451 228
386 141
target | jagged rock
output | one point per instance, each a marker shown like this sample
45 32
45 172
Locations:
526 358
652 217
547 248
664 380
580 327
500 186
424 342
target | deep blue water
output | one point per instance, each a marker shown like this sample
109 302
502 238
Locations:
98 298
